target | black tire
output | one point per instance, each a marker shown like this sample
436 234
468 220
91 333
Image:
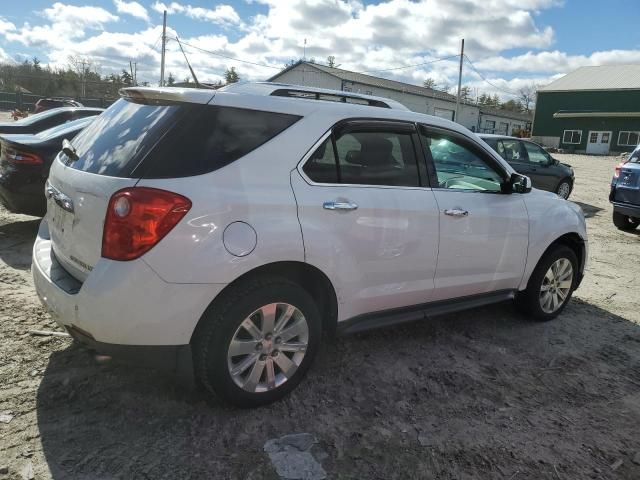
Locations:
625 222
220 323
564 182
528 301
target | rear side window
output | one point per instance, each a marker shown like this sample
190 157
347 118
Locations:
172 140
207 138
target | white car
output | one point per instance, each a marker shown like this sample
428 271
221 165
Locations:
222 232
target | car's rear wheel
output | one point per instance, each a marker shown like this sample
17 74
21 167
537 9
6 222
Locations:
551 284
625 222
564 189
257 341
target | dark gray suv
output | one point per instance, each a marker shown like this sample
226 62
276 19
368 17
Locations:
532 160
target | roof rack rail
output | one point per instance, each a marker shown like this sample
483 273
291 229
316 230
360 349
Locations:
329 97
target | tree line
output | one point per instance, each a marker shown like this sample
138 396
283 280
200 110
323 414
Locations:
524 102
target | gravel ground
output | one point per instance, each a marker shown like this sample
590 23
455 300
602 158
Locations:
482 394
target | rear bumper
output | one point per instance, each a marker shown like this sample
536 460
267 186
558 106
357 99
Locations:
627 209
169 358
123 309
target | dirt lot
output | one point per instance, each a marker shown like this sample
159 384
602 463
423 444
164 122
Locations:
484 394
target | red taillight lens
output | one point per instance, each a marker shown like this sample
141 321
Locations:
22 158
138 218
616 173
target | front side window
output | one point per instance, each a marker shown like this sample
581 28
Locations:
365 158
572 137
628 139
460 166
536 154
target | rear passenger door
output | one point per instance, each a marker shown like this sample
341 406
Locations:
368 217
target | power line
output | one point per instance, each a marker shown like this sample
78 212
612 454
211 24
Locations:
411 66
473 67
226 56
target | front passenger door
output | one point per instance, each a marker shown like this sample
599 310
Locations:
483 232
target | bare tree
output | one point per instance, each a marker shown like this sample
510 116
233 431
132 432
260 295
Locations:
429 83
331 61
527 96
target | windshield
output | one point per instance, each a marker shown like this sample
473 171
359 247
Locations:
69 127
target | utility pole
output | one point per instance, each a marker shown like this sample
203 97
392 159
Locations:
82 79
133 68
459 82
164 47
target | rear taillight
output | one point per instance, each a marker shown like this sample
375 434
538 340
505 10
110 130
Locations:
138 218
19 157
616 173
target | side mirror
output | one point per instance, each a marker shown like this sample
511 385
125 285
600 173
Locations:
520 183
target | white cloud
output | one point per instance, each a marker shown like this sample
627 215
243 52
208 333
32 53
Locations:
132 8
556 61
219 14
6 26
362 37
67 22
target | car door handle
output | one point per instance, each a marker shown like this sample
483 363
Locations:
339 205
456 212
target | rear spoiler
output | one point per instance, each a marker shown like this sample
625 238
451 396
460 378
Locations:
168 94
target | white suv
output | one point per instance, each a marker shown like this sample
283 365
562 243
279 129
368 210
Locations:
222 232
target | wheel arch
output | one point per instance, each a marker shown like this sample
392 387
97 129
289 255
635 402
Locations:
310 278
576 243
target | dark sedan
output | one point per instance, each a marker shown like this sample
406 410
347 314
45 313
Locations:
25 161
532 160
48 119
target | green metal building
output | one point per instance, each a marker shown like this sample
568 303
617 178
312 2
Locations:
593 110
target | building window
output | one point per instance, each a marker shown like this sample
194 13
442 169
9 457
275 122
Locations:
490 124
593 137
368 92
628 139
346 89
573 137
504 128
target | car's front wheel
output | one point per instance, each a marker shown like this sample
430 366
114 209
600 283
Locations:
625 222
551 284
257 341
564 189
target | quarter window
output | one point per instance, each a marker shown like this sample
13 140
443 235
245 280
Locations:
366 158
573 137
630 139
458 165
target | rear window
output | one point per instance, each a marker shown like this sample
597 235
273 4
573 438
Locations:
172 140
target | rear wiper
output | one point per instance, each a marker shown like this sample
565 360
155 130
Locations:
69 150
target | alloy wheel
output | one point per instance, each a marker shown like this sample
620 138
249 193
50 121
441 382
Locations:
268 347
556 285
564 190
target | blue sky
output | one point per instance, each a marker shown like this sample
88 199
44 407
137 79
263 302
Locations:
512 43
